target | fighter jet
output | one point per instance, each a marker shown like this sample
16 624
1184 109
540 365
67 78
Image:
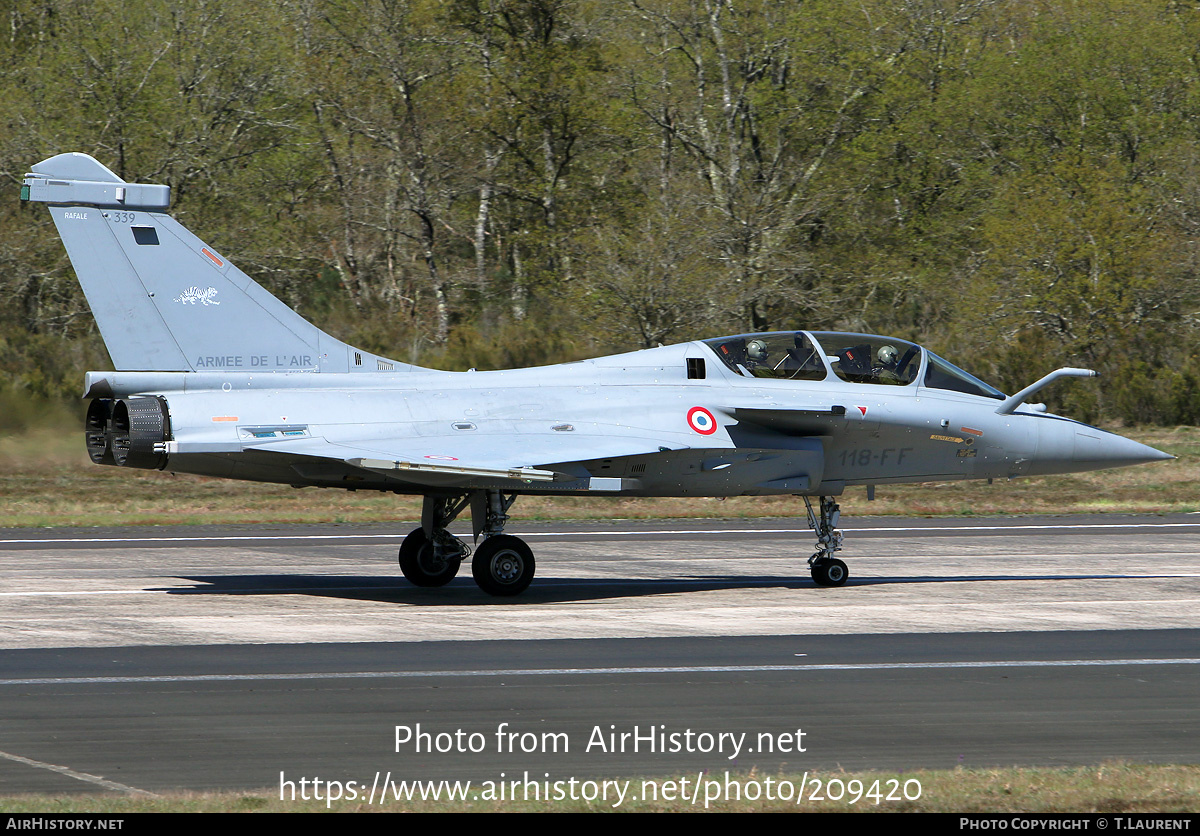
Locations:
214 376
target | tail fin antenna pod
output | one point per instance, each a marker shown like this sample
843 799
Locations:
163 299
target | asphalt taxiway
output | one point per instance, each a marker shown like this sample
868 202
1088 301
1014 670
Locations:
150 659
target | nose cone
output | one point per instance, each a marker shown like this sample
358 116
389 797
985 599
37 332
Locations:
1067 447
1100 449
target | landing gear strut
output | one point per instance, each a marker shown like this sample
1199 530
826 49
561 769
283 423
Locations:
503 564
431 555
826 569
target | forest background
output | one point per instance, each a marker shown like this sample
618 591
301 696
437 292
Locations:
494 183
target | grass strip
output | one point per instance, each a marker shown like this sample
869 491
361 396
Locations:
1115 788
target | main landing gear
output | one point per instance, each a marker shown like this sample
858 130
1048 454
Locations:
431 555
826 569
504 565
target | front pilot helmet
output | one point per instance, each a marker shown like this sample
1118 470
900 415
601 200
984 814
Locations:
756 350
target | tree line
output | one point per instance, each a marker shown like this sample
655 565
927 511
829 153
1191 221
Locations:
488 183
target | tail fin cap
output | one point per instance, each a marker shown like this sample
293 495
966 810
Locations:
77 179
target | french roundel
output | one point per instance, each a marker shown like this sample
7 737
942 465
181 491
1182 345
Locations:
701 420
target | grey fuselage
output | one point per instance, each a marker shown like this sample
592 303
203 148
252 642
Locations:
769 436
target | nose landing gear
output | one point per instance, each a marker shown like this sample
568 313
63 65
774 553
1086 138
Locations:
826 569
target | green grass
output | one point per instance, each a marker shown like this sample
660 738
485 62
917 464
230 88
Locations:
1108 788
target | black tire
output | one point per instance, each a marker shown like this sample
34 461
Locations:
419 565
830 572
503 565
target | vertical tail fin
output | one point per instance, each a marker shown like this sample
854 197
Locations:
163 299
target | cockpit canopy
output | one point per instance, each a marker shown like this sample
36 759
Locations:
855 358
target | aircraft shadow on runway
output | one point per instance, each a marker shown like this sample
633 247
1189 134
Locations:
461 592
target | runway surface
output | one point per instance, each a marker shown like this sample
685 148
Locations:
151 659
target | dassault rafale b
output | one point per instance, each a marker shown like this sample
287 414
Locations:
215 376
